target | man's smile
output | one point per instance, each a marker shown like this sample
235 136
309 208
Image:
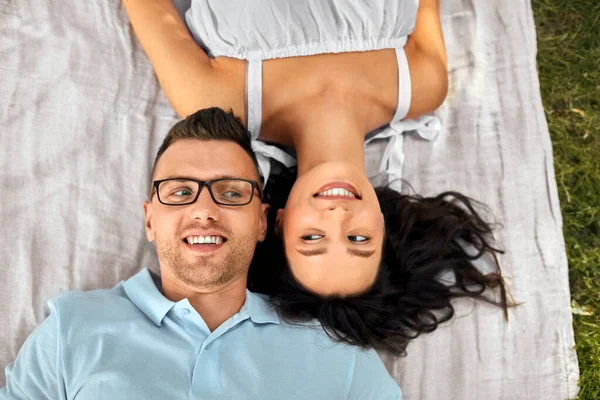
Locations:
204 244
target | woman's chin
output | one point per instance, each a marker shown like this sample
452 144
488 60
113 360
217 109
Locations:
337 166
334 171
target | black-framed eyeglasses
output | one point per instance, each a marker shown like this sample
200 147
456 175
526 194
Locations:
224 191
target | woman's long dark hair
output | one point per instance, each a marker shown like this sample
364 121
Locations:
427 239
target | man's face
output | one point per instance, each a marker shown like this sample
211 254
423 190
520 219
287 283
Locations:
212 265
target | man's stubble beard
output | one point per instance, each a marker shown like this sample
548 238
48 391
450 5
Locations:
204 272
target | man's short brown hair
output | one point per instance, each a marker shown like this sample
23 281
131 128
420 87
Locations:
209 124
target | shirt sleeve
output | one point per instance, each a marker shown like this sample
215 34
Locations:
35 374
371 380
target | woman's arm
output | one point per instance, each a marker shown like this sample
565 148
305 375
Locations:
190 79
426 55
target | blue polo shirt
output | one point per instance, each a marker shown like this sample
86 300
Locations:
131 342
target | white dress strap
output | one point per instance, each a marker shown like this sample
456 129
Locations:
254 94
427 127
404 86
264 152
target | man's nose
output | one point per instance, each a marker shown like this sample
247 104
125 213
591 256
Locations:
205 208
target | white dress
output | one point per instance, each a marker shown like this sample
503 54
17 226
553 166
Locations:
256 30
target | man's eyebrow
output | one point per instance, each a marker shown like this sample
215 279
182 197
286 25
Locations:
183 177
361 253
312 253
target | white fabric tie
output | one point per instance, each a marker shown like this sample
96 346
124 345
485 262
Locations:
427 127
264 152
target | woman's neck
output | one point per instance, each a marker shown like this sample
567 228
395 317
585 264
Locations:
315 146
328 134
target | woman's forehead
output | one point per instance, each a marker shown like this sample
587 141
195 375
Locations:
334 273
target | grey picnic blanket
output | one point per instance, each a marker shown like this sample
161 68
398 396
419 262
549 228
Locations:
82 115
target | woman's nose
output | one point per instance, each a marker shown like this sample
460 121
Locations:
340 205
339 211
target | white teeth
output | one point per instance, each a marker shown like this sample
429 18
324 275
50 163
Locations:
205 240
337 192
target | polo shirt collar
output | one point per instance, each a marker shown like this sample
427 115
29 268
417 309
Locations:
143 292
260 310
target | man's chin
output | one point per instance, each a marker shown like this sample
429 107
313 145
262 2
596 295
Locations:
194 275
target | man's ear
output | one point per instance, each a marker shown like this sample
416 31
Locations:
148 221
263 222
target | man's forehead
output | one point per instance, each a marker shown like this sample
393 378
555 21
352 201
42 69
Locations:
205 159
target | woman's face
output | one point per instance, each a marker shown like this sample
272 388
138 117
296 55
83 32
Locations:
333 230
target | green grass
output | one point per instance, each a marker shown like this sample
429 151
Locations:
569 68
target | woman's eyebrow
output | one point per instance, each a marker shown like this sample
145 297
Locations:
361 253
312 253
323 250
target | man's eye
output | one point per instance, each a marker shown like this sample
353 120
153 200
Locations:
358 238
182 193
312 237
232 195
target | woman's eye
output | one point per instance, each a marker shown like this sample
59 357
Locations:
358 238
312 237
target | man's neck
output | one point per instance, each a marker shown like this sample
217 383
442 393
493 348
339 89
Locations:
215 305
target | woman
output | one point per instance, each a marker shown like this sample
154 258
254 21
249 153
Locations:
365 262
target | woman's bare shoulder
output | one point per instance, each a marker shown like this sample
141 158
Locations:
221 85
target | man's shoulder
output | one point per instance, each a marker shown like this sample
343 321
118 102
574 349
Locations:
331 360
99 304
91 296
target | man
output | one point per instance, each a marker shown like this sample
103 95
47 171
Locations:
195 331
